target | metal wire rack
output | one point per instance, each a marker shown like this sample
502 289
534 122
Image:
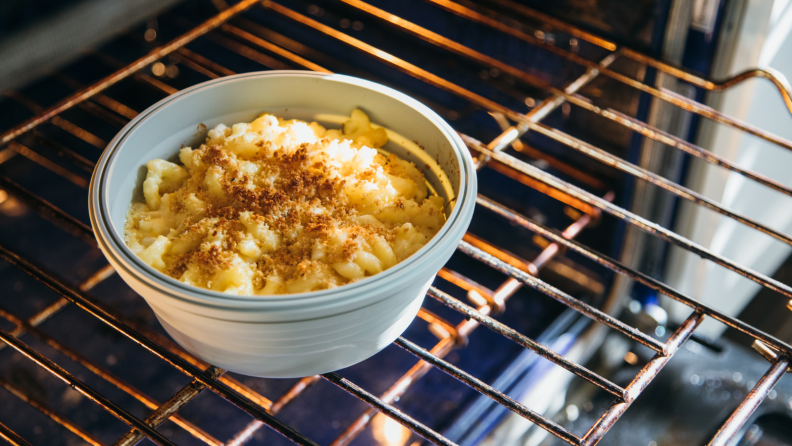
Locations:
271 50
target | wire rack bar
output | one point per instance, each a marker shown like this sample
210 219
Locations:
393 393
145 79
496 303
560 296
60 122
541 187
169 409
531 171
777 79
128 70
493 301
207 63
99 98
664 94
593 286
552 162
6 154
12 437
441 327
79 386
49 412
526 342
639 172
176 361
47 164
679 143
49 211
620 268
195 66
488 391
517 262
464 282
245 51
629 217
296 59
246 434
98 111
36 201
96 278
740 415
568 95
80 161
24 326
392 412
301 61
644 377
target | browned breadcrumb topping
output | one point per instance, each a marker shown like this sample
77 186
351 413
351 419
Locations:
283 207
295 197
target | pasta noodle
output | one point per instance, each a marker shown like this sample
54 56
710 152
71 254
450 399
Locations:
282 206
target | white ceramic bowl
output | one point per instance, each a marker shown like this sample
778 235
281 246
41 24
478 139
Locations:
298 334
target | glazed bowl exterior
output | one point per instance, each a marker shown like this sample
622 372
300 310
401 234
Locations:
291 335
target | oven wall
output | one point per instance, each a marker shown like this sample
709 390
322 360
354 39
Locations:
34 40
760 37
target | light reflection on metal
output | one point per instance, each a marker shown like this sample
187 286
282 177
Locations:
388 432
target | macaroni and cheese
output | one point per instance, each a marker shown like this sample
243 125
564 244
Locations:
282 206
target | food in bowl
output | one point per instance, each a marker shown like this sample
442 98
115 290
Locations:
280 206
289 335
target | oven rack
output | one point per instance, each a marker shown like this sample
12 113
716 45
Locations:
485 302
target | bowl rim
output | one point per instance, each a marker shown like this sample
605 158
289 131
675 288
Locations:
112 243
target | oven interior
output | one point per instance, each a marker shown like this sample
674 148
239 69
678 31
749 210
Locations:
553 114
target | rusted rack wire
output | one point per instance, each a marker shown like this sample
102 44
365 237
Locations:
486 303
